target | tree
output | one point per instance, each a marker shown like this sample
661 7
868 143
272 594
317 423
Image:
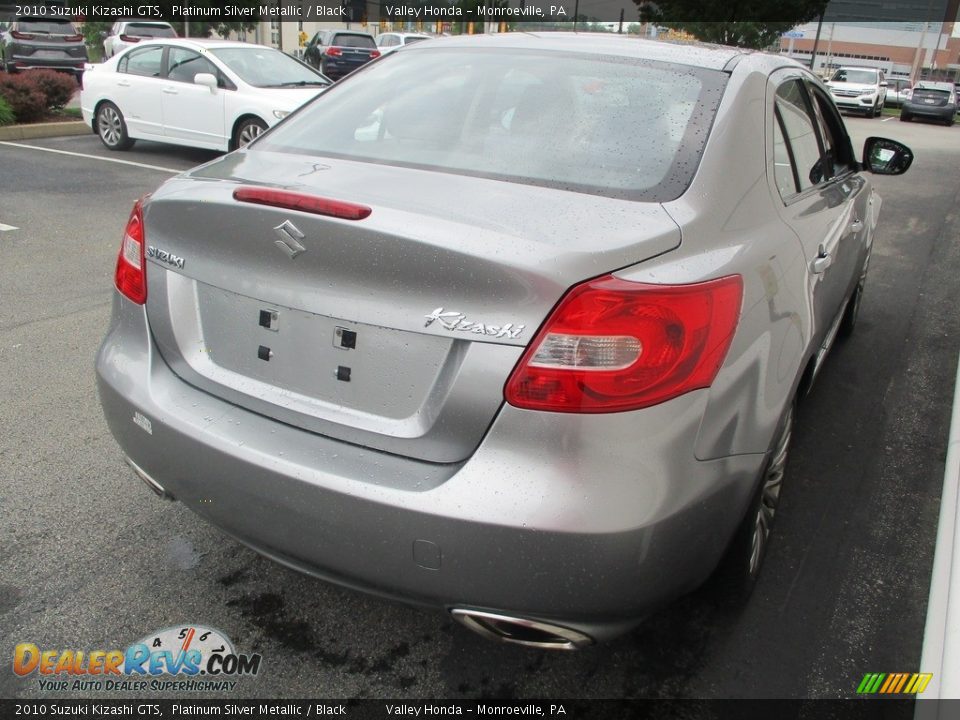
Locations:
743 23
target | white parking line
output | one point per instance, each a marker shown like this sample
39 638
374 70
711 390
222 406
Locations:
892 117
7 228
173 171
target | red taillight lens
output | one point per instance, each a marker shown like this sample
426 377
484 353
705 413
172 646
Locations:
303 203
17 35
73 38
130 39
131 276
334 52
374 54
613 345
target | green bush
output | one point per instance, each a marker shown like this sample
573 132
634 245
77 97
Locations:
23 96
57 87
6 113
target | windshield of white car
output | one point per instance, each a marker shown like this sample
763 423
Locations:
865 77
266 67
605 125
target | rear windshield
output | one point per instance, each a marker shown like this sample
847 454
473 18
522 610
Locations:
413 39
606 125
931 93
865 77
151 31
47 27
358 41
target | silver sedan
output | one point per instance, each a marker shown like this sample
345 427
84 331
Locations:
512 326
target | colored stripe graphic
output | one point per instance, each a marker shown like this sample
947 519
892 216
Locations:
894 683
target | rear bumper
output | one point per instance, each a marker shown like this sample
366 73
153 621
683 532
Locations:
588 520
941 113
31 62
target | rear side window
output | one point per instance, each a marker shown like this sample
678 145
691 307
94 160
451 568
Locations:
143 61
611 126
357 41
798 128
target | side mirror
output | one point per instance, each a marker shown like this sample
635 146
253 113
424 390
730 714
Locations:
884 84
207 79
886 157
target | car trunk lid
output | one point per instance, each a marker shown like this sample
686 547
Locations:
397 331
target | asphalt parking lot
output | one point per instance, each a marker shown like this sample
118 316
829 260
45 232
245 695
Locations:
92 560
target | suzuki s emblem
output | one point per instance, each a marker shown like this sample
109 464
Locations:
290 237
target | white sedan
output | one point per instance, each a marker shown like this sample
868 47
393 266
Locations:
211 94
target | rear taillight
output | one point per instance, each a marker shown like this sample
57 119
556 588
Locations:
304 203
131 275
73 38
333 52
130 38
17 35
374 54
613 345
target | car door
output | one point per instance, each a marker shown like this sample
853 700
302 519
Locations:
192 114
823 198
137 90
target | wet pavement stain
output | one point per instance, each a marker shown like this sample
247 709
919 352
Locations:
266 611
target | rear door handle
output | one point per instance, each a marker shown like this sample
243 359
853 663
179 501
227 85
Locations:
169 91
855 226
123 83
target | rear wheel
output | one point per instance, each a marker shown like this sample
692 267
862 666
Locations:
904 117
112 128
737 573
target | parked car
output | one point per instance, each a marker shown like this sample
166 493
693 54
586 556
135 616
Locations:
935 100
126 33
211 94
859 89
338 52
390 41
548 410
29 43
898 92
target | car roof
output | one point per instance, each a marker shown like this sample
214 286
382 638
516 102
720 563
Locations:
705 55
933 85
202 43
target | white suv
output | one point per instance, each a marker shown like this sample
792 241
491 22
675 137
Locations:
125 33
859 89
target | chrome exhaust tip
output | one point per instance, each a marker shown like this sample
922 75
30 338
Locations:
149 481
521 631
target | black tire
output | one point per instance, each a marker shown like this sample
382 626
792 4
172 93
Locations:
247 131
904 117
112 128
736 575
878 109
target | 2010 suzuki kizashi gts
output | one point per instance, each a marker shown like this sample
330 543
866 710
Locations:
512 326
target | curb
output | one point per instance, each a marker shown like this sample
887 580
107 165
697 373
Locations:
44 130
941 637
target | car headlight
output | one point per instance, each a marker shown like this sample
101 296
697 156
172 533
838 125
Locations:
280 114
867 93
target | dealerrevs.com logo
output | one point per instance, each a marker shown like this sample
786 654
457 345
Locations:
180 658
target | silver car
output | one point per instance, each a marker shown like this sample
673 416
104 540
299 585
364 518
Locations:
512 326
